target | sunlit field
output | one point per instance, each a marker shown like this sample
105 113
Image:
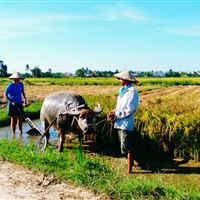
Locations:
167 126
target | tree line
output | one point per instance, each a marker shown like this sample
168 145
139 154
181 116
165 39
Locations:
36 72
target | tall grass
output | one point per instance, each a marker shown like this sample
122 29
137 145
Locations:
172 122
169 122
78 168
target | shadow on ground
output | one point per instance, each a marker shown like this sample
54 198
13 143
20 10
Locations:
148 156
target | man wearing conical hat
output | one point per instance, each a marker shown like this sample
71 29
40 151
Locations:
123 114
14 93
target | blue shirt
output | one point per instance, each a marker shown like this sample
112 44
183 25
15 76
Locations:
127 103
14 92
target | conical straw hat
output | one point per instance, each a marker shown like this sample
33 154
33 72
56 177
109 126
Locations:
125 75
15 75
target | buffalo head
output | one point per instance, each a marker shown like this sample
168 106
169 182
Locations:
84 116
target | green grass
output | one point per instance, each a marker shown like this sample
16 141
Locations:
170 81
32 111
107 81
78 168
4 120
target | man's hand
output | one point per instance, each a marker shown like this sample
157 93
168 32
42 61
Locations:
25 101
111 116
13 103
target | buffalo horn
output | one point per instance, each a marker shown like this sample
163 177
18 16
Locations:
97 109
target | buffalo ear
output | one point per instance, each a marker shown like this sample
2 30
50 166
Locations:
98 109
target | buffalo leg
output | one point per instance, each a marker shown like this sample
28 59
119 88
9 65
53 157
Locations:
62 140
80 139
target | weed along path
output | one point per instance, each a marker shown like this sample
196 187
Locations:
17 182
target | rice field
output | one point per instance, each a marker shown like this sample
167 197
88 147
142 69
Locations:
166 124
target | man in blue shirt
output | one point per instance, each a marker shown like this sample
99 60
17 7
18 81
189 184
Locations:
123 114
14 92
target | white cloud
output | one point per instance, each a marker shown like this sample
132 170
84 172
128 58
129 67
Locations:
23 26
120 12
184 30
39 19
10 34
34 24
134 15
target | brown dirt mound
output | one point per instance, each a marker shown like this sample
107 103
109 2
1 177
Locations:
17 182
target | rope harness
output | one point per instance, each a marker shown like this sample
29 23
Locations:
60 115
110 125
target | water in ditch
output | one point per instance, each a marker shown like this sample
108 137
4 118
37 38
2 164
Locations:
5 132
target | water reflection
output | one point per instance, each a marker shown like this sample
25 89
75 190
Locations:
5 132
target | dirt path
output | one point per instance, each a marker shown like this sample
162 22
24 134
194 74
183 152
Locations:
17 182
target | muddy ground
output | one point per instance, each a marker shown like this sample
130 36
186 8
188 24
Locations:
17 182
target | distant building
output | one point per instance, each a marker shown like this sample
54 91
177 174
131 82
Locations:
68 74
158 74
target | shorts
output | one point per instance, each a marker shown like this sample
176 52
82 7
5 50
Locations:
126 141
13 109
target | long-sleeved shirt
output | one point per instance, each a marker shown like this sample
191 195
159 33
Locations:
127 103
14 92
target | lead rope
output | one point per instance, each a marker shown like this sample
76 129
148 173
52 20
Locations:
75 124
110 127
99 122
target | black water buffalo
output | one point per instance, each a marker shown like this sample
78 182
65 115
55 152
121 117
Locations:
67 112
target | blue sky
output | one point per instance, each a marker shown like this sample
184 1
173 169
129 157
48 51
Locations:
101 35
